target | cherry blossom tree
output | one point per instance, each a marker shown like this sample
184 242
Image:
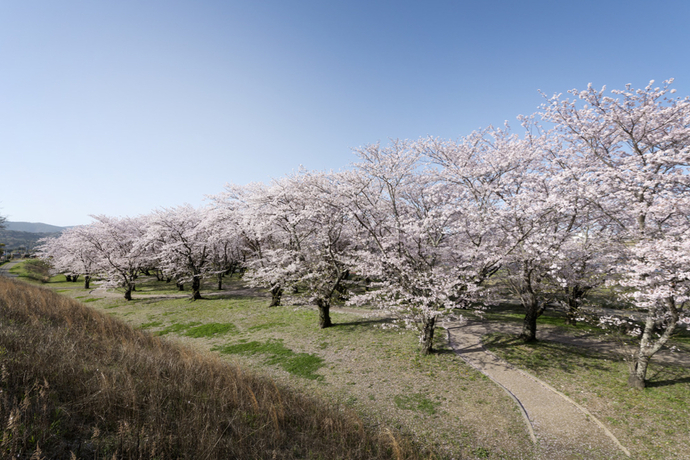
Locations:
406 214
296 234
225 242
182 239
322 259
630 154
508 214
252 209
586 260
71 254
116 242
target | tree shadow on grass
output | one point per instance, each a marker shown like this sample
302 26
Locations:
668 375
235 295
544 354
363 322
665 383
443 351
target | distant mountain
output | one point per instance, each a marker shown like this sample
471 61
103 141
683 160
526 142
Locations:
25 235
33 227
14 240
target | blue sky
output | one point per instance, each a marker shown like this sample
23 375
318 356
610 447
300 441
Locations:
121 107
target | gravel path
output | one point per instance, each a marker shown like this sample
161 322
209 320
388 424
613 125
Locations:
560 427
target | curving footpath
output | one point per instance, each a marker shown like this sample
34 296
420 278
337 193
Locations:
557 425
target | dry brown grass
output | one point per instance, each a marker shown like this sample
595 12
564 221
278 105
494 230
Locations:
77 383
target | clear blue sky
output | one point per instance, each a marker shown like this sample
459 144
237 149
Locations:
121 107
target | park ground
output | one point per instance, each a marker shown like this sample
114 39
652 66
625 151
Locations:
368 364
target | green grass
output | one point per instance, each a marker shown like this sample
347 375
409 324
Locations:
416 402
19 270
345 364
299 364
210 330
177 328
266 326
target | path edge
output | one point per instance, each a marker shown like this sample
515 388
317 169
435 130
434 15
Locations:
523 411
549 387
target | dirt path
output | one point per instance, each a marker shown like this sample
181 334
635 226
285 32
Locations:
5 269
560 427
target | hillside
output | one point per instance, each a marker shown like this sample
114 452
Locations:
15 239
33 227
77 383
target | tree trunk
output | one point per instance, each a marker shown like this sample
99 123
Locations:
276 294
573 296
68 278
638 373
530 302
533 310
428 327
648 347
87 281
220 281
196 288
180 286
128 293
324 313
74 278
529 328
573 312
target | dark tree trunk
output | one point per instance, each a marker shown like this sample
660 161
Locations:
196 288
276 294
530 302
128 293
533 310
220 281
87 281
68 278
428 327
574 295
324 313
529 327
75 278
180 286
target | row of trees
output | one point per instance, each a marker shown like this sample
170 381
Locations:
594 193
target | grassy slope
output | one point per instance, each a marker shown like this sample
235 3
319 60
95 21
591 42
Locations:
74 380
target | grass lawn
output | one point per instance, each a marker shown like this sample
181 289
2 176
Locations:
437 400
379 371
